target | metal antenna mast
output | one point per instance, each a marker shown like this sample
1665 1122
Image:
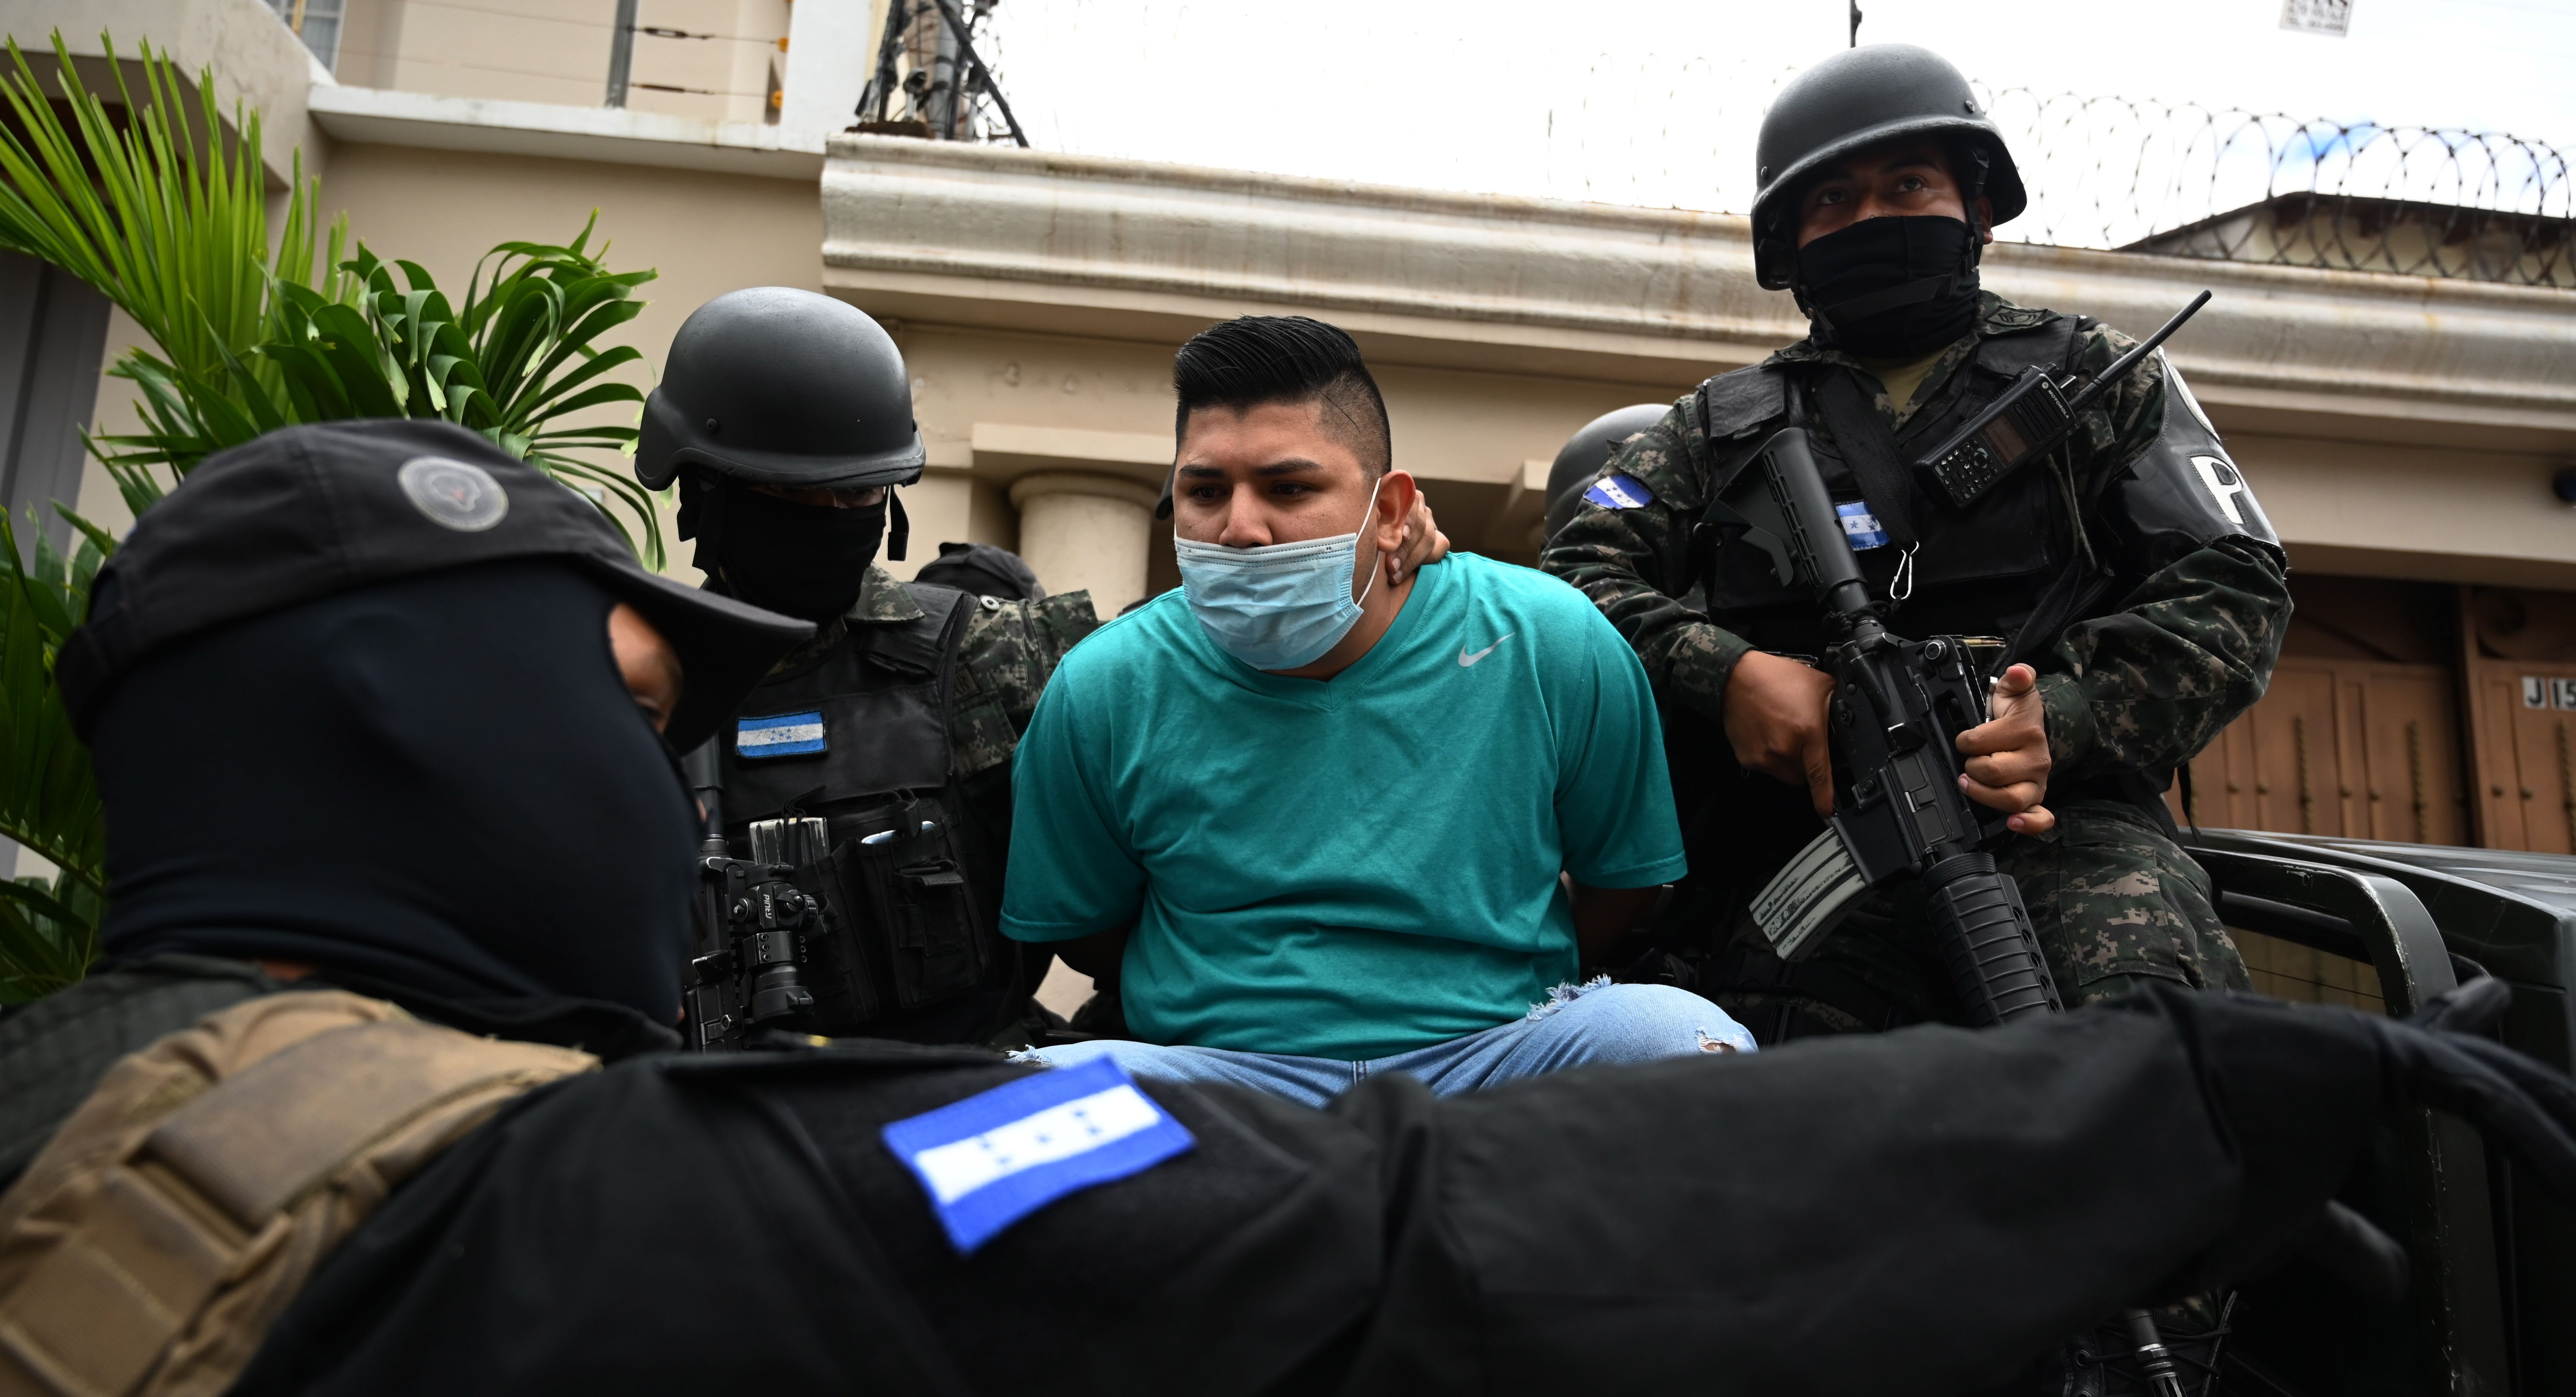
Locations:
947 83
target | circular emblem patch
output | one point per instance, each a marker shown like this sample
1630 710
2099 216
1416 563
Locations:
454 494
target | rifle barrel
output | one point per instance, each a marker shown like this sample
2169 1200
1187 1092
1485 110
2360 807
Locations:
2120 368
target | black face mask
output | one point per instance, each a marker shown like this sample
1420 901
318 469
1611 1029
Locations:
439 782
1891 288
801 560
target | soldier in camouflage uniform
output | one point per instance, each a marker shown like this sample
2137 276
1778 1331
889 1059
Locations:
2129 591
2130 569
786 419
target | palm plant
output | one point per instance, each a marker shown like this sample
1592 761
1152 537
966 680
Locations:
168 220
48 798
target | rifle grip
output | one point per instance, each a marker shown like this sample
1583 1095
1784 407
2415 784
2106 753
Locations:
1987 941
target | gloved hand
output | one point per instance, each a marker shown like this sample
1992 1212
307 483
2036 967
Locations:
2297 1101
2439 1057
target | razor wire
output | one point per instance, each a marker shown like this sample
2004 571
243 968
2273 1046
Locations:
2184 180
1427 103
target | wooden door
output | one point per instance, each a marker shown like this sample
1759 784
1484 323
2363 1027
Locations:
2410 757
2347 748
2526 742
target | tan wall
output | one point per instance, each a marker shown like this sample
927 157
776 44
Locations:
705 233
2365 509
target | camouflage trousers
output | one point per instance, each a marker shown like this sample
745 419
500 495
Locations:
2115 902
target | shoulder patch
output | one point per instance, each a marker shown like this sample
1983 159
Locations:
779 735
2019 317
998 1156
1741 401
1620 492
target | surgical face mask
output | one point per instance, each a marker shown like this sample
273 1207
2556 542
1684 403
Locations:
1281 605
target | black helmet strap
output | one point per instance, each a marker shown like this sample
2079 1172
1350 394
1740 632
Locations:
898 525
701 516
1977 191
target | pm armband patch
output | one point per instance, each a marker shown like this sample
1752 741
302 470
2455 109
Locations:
1620 492
2224 484
998 1156
779 735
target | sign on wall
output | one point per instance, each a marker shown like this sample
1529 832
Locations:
2317 16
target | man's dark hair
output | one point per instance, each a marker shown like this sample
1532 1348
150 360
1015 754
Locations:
1257 359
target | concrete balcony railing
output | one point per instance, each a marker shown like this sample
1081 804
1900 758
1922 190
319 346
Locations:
2406 425
1093 243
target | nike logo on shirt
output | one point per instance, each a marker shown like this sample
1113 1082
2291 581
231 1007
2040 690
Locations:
1465 659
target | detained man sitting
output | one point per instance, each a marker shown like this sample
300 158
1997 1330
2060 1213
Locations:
1314 811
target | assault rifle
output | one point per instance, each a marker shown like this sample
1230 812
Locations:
745 976
753 918
1898 708
780 954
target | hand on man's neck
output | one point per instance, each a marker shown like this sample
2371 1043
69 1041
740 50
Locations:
1377 612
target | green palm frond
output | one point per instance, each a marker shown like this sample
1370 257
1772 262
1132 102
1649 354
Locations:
170 221
48 935
48 799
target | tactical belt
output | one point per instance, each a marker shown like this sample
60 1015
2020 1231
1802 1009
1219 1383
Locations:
170 1221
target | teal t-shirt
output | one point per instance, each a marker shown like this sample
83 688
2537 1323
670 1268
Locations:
1344 868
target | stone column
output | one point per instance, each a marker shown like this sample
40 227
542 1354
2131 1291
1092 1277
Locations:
1083 532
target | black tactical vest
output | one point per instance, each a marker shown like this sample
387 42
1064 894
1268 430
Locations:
1979 571
2006 566
918 856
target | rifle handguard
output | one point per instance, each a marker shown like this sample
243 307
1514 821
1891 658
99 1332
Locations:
1989 945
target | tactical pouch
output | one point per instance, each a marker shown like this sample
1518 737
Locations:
903 873
847 982
148 1249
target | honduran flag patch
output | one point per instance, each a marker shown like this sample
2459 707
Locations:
998 1156
1620 492
779 735
1861 525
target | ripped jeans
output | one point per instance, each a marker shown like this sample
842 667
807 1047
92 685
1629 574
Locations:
1578 1026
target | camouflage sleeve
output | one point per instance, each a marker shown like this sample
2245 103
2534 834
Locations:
2152 684
1635 563
2115 429
1010 650
2194 642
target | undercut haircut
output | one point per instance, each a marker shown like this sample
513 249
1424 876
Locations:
1255 360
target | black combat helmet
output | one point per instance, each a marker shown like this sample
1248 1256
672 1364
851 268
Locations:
776 386
1858 98
982 570
1587 451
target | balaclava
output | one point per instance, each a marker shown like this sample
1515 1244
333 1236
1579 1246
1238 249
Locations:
802 560
440 782
1891 288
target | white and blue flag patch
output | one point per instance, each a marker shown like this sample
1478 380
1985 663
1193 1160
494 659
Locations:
998 1156
779 735
1620 492
1861 525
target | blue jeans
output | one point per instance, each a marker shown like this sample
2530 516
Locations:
1578 1026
